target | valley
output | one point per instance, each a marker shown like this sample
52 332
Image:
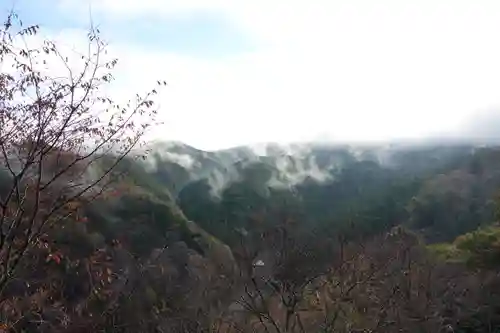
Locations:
109 224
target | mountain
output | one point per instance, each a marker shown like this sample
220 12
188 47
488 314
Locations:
187 239
325 186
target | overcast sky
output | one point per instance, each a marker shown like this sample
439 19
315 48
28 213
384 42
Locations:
245 71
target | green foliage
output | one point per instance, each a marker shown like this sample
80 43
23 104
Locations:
446 252
481 247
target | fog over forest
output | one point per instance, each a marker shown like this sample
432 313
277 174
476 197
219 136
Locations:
249 167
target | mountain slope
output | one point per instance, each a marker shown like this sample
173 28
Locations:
324 186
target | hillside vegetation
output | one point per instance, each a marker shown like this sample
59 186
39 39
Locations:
101 231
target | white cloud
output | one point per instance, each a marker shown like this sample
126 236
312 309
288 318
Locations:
356 69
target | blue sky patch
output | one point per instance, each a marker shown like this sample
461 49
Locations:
200 34
205 34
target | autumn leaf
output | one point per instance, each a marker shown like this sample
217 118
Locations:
55 257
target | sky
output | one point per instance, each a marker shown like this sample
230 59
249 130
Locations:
243 72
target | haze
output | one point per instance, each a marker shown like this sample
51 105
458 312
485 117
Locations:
241 72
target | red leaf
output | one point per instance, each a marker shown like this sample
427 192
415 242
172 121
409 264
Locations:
55 257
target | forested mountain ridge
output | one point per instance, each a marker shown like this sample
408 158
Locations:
329 185
440 192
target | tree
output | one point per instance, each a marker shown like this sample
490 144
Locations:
61 136
386 283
